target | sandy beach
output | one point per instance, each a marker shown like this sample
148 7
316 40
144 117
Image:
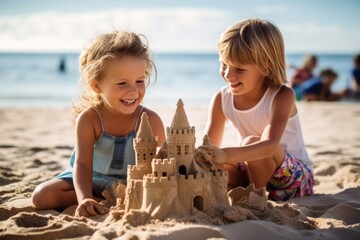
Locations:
36 144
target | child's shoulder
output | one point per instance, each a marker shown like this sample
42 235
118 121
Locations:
152 115
88 112
285 90
87 116
285 94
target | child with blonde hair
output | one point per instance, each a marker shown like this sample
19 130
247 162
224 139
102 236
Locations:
262 108
115 70
305 72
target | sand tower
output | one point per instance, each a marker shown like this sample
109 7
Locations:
181 140
145 144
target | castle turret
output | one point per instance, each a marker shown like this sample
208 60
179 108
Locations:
145 144
181 140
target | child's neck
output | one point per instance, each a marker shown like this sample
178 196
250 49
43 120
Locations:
118 124
248 101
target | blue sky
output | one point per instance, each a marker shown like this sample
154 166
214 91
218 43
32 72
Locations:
308 26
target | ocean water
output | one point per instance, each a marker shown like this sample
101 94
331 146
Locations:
34 79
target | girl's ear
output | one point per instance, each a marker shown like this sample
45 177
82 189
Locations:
95 86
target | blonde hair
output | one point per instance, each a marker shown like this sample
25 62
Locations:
95 58
255 41
310 61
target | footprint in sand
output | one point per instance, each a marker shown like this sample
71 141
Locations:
328 153
325 171
7 146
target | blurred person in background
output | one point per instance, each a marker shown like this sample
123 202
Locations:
303 73
319 88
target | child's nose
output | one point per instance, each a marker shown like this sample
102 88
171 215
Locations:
132 88
228 73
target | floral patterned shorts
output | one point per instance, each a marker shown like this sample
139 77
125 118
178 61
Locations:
290 180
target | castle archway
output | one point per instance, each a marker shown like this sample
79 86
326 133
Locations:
198 203
182 170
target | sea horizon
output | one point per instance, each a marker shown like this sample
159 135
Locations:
33 79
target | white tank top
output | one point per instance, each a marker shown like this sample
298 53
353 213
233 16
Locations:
253 122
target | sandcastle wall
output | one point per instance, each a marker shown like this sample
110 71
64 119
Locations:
134 195
164 167
145 142
137 172
219 180
180 133
152 182
159 195
194 188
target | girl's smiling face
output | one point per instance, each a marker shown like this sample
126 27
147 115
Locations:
123 86
242 79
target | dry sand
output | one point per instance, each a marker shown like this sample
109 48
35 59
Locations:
35 145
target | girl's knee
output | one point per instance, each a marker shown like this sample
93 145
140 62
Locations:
260 171
236 177
38 195
43 195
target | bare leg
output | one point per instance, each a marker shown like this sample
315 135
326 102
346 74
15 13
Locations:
54 194
261 171
236 178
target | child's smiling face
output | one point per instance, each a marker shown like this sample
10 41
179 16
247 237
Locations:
243 78
123 86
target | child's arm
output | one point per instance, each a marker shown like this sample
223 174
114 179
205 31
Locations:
83 166
216 121
283 107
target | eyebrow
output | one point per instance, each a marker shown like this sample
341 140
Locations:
127 79
142 77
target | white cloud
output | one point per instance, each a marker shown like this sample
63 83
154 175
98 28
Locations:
182 29
167 29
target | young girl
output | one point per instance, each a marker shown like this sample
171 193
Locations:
262 108
115 70
305 72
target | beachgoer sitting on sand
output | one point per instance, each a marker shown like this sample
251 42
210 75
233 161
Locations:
319 88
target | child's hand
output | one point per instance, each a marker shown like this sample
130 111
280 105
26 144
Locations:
89 207
217 155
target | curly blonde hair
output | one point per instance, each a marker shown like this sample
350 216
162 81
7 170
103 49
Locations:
256 41
96 56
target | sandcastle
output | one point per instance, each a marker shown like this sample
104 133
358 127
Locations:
179 180
171 182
